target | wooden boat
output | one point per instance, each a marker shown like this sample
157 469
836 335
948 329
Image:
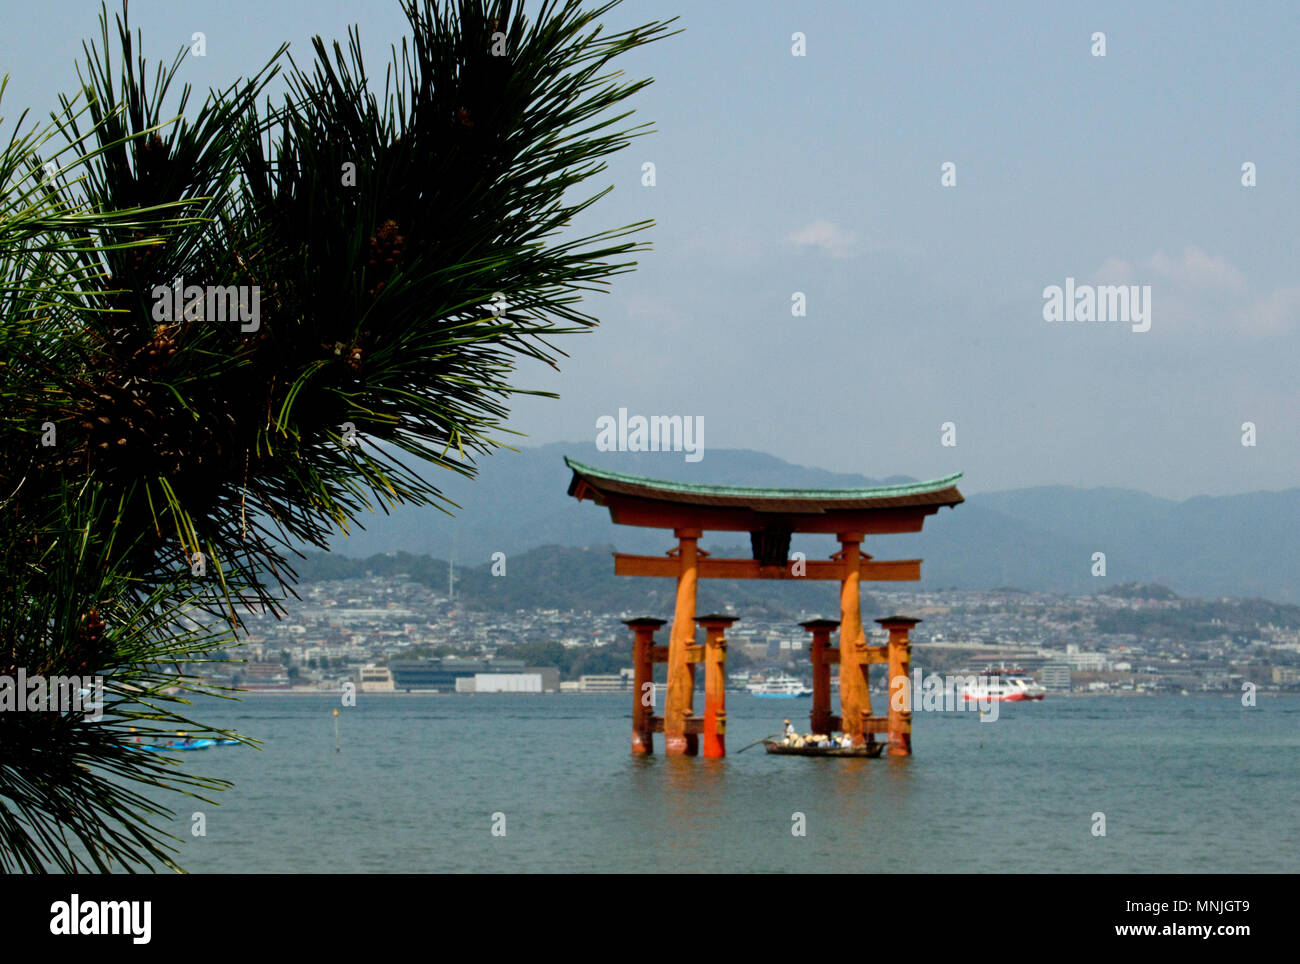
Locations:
776 746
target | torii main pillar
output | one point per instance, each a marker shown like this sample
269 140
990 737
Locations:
682 653
855 700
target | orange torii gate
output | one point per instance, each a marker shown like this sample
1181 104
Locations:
770 516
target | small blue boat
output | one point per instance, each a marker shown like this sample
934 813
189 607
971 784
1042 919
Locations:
182 745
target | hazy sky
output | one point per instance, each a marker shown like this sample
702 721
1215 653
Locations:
820 174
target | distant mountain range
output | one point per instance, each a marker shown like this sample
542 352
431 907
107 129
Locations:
1040 538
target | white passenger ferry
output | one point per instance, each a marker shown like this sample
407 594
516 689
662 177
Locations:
1003 686
779 686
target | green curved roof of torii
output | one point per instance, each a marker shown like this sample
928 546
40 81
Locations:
935 492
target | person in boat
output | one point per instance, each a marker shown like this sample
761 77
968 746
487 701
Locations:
790 734
846 740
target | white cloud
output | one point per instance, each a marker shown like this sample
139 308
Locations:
1114 271
1200 291
836 241
1275 313
1197 269
1194 268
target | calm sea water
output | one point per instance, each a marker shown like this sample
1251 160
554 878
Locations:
1187 784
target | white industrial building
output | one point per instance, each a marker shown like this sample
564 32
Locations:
500 683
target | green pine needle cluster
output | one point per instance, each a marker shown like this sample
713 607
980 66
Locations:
408 243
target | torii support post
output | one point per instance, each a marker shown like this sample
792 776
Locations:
715 683
855 700
900 665
642 681
681 666
820 717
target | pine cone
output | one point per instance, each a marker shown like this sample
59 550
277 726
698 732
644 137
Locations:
161 347
92 628
386 245
386 248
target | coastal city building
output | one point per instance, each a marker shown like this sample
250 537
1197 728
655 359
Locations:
1055 677
395 634
376 679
